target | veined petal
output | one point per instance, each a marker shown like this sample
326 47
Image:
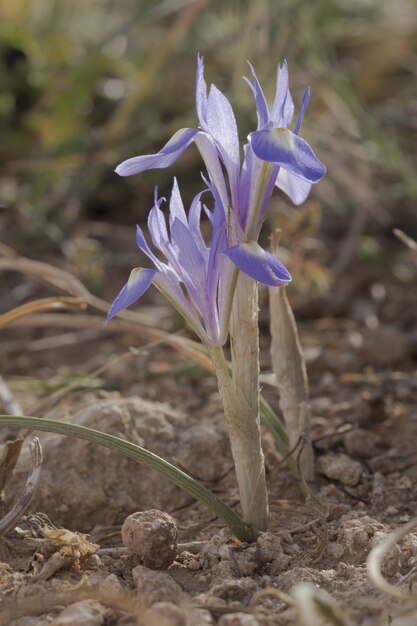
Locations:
296 188
201 93
164 158
281 146
221 125
160 238
176 207
283 108
260 265
304 105
256 186
142 245
169 285
261 105
139 281
208 151
191 262
194 220
158 228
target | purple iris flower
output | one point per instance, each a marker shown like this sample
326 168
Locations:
197 279
274 155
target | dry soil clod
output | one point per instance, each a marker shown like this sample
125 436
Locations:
152 536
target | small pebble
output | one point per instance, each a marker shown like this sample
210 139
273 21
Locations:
83 613
340 467
336 550
155 587
152 536
360 443
238 619
385 345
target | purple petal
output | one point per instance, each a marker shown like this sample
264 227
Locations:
190 265
304 105
281 146
169 285
158 228
296 188
253 173
176 207
139 281
261 105
191 261
194 220
201 93
221 125
208 151
166 157
260 265
142 245
283 108
160 238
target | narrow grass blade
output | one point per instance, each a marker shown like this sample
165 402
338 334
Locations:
175 475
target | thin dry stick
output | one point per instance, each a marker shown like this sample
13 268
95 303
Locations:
41 306
290 373
407 241
316 607
10 520
52 343
139 324
10 404
376 557
64 281
78 321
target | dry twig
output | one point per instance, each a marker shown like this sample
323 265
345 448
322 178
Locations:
10 520
10 404
376 557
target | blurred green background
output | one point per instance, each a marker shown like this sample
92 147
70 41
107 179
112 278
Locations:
84 85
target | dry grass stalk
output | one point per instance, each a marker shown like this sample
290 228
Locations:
376 558
316 607
10 520
41 306
290 374
9 402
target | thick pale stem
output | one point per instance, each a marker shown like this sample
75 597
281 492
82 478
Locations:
242 404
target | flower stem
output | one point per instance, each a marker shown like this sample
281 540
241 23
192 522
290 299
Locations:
240 395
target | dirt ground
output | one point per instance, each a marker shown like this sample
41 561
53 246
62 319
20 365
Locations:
361 350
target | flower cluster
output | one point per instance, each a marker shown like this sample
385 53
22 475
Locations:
199 279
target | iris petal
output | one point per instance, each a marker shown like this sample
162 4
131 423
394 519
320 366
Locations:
176 207
221 124
304 105
190 260
281 146
283 108
139 281
261 105
164 158
201 93
142 245
294 186
208 151
263 266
